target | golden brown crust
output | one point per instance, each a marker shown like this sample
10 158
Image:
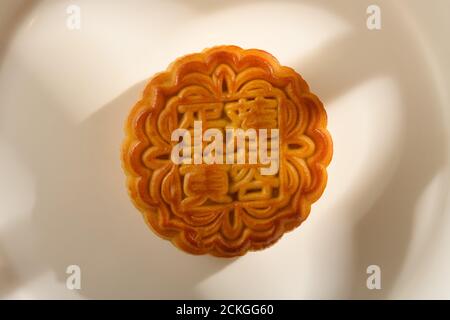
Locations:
206 208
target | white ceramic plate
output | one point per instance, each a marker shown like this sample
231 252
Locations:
64 95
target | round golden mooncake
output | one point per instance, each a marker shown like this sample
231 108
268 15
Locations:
219 205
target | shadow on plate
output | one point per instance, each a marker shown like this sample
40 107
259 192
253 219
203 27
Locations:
83 215
384 231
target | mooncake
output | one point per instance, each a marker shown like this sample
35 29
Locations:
226 151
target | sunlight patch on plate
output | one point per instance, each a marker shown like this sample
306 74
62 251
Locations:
366 126
289 31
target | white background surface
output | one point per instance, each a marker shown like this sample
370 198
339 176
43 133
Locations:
65 94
